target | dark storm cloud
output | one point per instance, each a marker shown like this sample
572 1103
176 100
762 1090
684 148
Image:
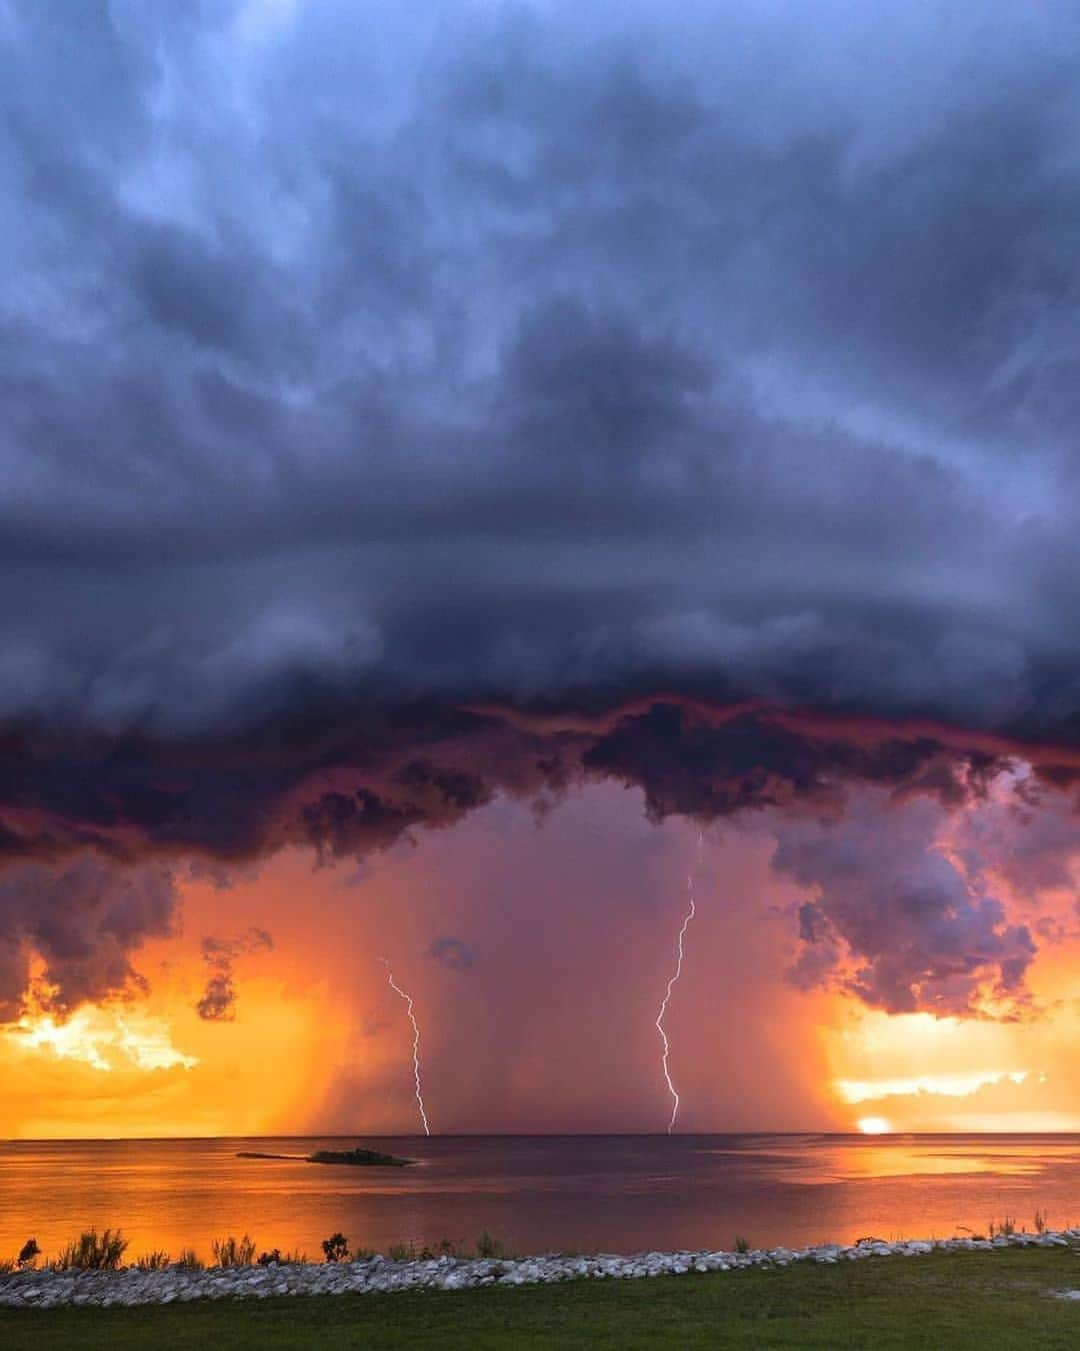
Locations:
84 922
217 1004
344 784
917 934
530 358
360 369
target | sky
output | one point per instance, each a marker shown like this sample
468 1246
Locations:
478 476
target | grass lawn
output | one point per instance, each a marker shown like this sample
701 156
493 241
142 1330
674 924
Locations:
945 1300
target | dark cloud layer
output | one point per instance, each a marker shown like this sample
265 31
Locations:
501 353
346 783
370 380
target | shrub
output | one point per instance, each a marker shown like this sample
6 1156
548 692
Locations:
189 1260
231 1252
293 1258
1040 1221
27 1253
446 1247
1004 1228
336 1248
741 1244
91 1252
398 1252
155 1260
486 1246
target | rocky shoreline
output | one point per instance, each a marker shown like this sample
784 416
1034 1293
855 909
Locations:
50 1288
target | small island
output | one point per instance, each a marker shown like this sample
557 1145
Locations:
364 1158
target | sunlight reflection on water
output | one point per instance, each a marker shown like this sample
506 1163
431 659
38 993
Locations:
619 1193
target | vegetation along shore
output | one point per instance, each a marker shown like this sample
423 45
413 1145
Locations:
951 1299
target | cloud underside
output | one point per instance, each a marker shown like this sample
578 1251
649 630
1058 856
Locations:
400 411
892 920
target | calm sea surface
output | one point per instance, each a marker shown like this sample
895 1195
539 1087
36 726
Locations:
610 1193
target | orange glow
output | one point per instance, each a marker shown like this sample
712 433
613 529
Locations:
947 1085
101 1038
874 1125
317 1043
949 1074
152 1067
159 1072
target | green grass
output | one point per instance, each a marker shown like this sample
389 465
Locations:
935 1303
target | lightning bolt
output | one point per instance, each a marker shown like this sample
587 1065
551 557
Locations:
690 913
415 1044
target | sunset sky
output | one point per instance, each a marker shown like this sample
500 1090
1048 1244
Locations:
477 476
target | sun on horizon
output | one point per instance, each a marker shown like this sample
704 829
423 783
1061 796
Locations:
874 1125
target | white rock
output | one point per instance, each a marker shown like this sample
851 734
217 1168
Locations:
48 1288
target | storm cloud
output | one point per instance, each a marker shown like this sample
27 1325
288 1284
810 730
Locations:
499 354
217 1003
84 922
400 411
896 921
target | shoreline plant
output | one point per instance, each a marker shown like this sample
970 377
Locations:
92 1251
155 1260
336 1248
104 1251
233 1252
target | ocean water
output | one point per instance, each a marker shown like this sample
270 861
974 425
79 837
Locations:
537 1193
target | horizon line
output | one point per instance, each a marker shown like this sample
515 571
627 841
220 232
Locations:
875 1137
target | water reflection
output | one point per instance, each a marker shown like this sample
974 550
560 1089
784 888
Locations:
617 1193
